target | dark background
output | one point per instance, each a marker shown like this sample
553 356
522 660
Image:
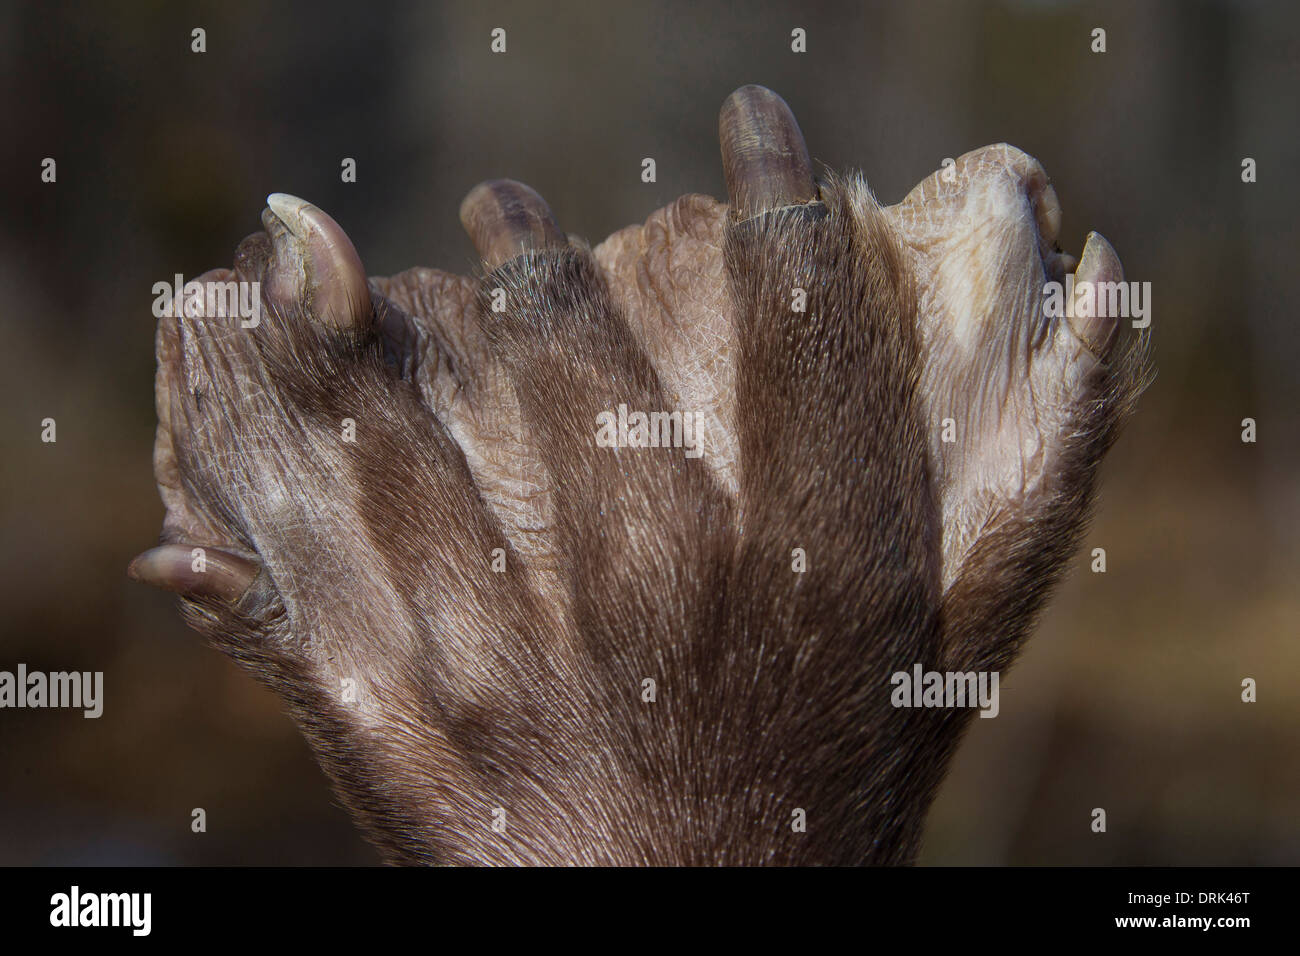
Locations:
1128 697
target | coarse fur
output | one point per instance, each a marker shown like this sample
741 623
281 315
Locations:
472 715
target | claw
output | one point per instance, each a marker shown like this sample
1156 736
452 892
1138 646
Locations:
764 157
314 263
174 567
1099 263
505 219
1047 212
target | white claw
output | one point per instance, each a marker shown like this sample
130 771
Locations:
1047 211
1098 264
316 262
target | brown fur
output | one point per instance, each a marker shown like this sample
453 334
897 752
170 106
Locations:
522 690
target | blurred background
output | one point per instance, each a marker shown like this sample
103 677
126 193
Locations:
1128 697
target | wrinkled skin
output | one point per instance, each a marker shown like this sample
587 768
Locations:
444 694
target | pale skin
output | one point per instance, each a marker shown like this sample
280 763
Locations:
461 598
